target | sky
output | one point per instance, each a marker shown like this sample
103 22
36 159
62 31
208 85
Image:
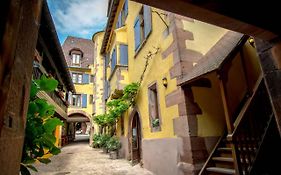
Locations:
80 18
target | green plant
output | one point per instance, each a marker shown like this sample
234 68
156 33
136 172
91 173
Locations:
117 107
96 141
155 122
40 125
113 144
103 140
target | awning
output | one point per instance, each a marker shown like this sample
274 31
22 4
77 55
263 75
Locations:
215 57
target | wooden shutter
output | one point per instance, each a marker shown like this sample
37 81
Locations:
119 22
84 100
147 20
126 5
113 60
106 60
86 78
123 54
137 33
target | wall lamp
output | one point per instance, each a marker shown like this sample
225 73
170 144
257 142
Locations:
165 81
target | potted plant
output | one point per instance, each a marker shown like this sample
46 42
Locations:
103 142
113 145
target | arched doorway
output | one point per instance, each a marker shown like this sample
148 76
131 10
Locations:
79 126
136 139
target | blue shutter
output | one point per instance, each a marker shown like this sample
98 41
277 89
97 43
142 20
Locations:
119 22
86 78
147 20
113 60
126 8
123 54
84 100
106 60
137 33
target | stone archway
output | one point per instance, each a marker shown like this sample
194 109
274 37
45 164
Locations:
78 123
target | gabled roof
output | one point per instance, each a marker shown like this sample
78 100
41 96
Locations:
215 58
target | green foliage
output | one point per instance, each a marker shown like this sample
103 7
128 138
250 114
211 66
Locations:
113 144
40 125
155 122
97 140
118 106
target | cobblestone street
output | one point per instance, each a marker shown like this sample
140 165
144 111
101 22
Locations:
79 158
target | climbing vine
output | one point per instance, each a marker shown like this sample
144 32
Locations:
117 107
40 125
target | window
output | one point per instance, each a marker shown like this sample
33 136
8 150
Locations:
80 78
76 60
113 60
91 100
154 112
122 15
77 78
123 54
142 27
78 100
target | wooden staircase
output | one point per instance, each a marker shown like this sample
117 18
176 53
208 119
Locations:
236 151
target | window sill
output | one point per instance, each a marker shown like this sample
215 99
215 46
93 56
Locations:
156 129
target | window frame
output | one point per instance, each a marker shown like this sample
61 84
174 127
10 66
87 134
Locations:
153 87
142 27
76 103
76 59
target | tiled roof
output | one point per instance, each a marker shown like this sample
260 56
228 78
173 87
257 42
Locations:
215 57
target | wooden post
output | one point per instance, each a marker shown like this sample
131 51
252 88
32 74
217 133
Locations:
225 105
16 55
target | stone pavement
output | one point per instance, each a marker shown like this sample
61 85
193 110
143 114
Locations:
79 158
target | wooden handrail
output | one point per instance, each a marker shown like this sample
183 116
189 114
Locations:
244 109
211 155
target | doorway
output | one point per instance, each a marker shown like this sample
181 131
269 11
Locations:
136 139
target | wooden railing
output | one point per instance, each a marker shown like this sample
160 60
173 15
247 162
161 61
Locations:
250 128
55 96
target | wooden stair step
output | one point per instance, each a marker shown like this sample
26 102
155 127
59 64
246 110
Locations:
224 149
221 170
223 159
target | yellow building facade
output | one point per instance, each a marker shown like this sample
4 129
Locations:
99 78
194 77
79 56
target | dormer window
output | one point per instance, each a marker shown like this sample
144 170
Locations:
76 60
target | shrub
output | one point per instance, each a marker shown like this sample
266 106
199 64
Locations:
113 144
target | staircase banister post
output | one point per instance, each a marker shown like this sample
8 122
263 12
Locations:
225 104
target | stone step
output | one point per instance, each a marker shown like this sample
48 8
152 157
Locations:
221 170
226 149
223 159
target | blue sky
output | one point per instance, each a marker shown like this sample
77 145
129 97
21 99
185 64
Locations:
80 18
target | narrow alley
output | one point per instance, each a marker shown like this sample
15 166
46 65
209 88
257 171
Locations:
79 158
